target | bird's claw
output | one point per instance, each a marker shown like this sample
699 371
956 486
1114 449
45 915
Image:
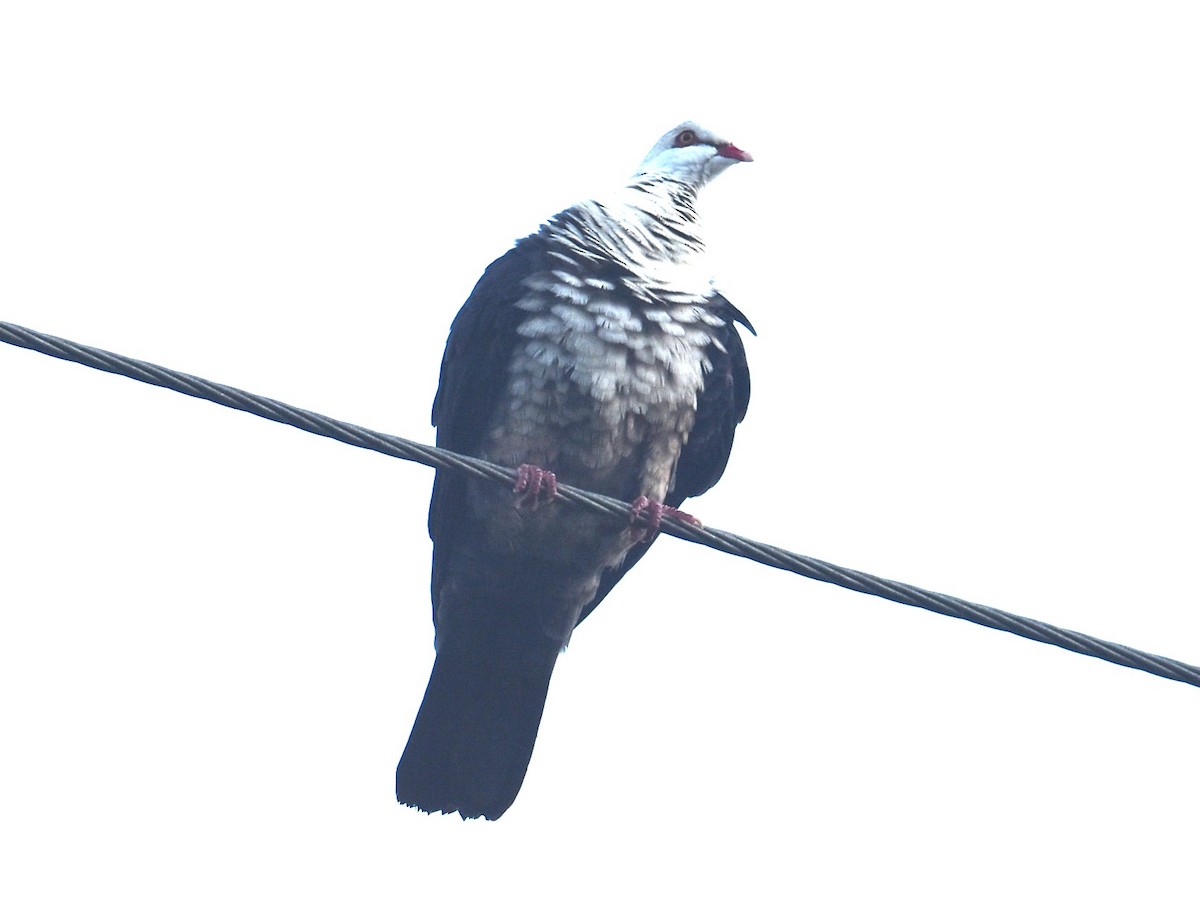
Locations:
644 526
530 483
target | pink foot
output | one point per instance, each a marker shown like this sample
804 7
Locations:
644 526
531 481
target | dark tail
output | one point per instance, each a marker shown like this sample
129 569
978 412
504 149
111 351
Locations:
473 737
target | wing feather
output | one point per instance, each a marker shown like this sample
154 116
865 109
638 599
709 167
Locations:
474 372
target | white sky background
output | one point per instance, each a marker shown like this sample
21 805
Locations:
969 243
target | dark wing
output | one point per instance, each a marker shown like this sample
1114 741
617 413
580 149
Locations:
479 349
474 374
720 407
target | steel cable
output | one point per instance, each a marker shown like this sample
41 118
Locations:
730 543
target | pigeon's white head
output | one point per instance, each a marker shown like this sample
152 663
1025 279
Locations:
691 154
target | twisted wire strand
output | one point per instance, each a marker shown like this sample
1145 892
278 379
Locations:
730 543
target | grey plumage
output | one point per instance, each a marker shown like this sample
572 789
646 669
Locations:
599 349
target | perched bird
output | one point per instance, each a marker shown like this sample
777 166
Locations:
596 351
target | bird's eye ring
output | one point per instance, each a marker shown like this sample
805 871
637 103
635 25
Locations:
685 138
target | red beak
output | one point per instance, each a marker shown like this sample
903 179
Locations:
733 153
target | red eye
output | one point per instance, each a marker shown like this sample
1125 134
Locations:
685 138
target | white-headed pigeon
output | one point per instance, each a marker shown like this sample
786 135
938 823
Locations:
598 353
